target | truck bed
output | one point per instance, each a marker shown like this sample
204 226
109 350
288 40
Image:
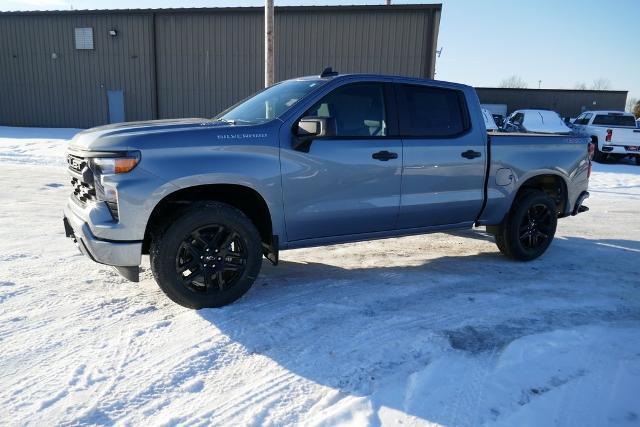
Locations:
516 157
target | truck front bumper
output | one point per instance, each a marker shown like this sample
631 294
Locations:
124 255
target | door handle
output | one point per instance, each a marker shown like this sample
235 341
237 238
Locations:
385 155
470 154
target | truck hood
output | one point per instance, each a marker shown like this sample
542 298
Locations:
119 136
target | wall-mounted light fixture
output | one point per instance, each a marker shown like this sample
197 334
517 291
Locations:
113 32
54 55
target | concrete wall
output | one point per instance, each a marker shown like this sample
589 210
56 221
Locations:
193 62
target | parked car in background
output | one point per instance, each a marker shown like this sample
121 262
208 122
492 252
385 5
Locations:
614 134
489 123
536 121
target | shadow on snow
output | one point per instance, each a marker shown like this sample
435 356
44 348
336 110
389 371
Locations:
354 329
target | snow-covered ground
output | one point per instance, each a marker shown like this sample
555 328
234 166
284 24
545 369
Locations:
423 330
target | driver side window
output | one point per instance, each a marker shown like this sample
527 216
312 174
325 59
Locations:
358 110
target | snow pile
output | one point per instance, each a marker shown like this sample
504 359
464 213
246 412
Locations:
425 330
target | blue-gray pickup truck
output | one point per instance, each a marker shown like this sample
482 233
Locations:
308 162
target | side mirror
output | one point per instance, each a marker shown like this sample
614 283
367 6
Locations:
309 128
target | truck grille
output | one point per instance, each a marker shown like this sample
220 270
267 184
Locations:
82 185
82 191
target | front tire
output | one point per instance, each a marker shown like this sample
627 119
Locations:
530 227
209 257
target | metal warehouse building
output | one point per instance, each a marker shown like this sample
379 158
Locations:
86 68
567 102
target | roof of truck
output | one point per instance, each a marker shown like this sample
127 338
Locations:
403 79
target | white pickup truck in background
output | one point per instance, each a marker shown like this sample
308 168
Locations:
614 134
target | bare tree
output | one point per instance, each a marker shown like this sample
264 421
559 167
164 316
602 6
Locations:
636 112
631 102
601 84
580 86
513 82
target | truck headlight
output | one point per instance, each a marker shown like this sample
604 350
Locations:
108 165
119 163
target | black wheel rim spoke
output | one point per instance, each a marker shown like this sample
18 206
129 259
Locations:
221 281
195 252
211 259
232 235
535 228
233 264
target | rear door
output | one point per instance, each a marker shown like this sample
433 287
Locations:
348 183
444 158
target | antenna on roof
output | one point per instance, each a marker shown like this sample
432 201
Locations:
328 72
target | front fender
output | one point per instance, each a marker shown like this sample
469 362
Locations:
257 168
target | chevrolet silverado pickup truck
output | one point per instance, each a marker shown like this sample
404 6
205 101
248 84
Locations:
308 162
613 133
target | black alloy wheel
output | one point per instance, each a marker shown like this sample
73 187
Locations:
529 228
536 227
211 259
208 255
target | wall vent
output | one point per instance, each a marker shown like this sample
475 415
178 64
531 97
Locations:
84 38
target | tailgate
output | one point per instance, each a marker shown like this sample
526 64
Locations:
625 136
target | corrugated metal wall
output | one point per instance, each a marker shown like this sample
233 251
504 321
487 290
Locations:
568 103
207 61
193 62
45 81
355 41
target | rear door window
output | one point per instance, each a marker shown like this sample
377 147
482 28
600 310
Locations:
431 112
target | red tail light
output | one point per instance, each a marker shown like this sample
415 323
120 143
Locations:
608 137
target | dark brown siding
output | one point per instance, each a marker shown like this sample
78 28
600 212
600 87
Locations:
70 89
193 62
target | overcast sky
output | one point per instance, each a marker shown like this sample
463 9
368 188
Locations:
561 43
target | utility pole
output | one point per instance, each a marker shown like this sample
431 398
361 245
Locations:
268 43
539 83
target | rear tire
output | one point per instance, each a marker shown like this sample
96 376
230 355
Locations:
530 227
598 156
208 257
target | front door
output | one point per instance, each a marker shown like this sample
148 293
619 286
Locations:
348 183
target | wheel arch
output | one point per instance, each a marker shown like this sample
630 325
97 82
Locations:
244 198
553 184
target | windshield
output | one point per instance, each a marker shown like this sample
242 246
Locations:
269 103
614 120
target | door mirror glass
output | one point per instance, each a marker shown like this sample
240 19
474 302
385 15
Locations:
310 128
315 127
